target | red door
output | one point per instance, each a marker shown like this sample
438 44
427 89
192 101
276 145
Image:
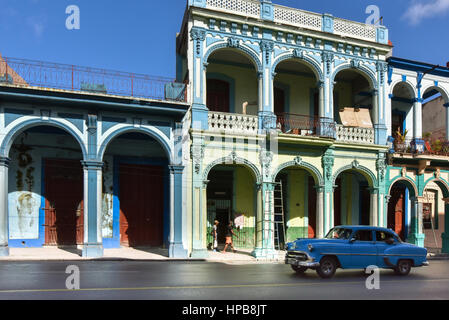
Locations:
312 208
64 212
396 208
218 95
141 205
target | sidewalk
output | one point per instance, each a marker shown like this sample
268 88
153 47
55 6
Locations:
129 254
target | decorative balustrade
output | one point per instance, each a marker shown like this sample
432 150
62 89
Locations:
355 135
233 123
29 73
298 18
295 17
354 29
250 8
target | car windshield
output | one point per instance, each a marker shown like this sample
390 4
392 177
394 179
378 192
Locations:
339 233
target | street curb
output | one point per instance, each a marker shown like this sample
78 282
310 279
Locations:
145 260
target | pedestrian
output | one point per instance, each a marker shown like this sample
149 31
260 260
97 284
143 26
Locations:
215 235
229 234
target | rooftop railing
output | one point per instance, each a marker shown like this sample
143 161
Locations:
30 73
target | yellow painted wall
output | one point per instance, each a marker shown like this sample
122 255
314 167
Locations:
244 195
299 87
297 186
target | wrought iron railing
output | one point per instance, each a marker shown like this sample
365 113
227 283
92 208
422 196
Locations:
30 73
305 125
430 146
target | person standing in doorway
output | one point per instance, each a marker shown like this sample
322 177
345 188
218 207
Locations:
215 235
229 234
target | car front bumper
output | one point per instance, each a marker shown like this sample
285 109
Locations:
303 260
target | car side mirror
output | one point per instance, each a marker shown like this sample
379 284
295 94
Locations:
352 240
390 241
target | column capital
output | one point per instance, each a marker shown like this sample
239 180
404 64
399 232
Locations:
176 169
92 164
4 161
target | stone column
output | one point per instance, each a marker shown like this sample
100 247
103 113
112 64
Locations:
446 106
199 108
320 212
327 117
445 235
374 212
176 247
417 119
93 240
267 118
4 165
265 246
328 165
416 233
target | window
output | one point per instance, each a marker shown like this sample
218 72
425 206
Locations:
218 94
339 233
364 235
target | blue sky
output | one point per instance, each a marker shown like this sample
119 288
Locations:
139 35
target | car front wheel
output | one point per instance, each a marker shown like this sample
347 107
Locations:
403 268
299 270
327 268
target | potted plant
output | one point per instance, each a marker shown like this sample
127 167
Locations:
399 143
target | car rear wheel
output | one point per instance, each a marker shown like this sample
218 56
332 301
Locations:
403 268
327 268
299 270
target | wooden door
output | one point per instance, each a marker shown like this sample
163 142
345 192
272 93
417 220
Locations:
312 208
396 209
218 95
279 101
64 206
141 205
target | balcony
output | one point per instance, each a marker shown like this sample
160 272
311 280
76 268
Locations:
306 126
429 147
39 74
229 123
355 135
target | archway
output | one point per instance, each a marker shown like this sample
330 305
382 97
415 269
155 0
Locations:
231 197
297 97
232 82
352 199
354 99
136 191
399 207
296 199
46 186
434 120
402 102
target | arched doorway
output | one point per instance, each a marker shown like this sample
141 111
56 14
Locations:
299 200
232 82
46 186
402 101
296 97
434 120
136 194
399 208
231 197
352 199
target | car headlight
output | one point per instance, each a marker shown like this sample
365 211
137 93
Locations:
310 247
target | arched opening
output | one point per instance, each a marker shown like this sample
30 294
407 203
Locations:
434 121
399 208
402 101
136 196
434 214
296 98
231 197
353 99
352 199
232 83
46 186
296 204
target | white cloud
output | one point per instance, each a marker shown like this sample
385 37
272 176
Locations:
420 10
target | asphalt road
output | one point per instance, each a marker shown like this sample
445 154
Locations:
210 281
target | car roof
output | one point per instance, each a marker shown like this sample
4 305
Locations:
365 228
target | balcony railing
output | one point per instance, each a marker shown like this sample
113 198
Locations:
233 123
436 146
29 73
305 125
355 135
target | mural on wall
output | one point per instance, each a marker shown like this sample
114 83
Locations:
24 200
108 196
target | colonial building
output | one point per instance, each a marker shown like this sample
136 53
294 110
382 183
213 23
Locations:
282 121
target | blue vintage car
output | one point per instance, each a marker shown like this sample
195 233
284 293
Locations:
355 247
